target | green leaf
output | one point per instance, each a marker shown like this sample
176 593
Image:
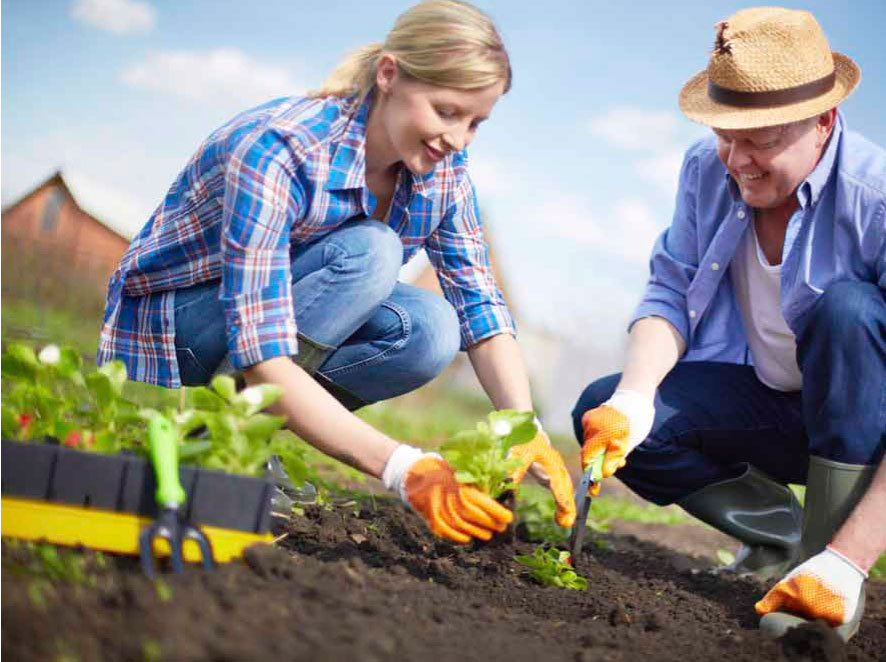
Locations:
190 449
19 362
225 386
466 477
260 427
116 374
257 398
101 388
201 397
69 365
23 353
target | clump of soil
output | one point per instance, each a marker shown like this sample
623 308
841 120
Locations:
371 583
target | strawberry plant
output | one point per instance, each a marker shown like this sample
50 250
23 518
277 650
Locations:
480 456
552 567
48 395
237 437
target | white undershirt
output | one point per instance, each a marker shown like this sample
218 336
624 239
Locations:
758 291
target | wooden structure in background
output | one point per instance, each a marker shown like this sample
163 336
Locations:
54 252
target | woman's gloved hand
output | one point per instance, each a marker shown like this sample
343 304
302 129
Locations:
548 466
453 511
615 428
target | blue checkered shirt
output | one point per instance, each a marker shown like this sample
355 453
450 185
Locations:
272 179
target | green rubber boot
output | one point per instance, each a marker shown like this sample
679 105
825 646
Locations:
760 512
832 491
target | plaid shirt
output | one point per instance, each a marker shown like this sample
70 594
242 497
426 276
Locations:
273 178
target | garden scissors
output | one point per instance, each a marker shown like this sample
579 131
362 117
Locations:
582 506
170 495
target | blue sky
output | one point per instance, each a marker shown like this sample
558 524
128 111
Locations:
576 171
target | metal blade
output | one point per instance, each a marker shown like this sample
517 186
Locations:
582 506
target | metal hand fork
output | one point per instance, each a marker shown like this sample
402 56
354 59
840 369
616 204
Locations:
170 495
582 507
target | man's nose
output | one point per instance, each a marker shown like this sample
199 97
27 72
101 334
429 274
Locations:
738 155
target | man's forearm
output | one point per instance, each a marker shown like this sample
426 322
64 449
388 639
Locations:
654 348
318 418
862 537
499 366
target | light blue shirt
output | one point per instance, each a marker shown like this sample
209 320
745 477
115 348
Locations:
837 233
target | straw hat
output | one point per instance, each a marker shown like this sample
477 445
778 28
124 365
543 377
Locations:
769 66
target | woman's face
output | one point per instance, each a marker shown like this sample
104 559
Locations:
420 124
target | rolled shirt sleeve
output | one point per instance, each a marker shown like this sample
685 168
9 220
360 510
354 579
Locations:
460 256
261 202
674 258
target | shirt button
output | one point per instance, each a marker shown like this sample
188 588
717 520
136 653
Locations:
692 314
715 266
741 214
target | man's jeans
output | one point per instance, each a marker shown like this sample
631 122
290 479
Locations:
713 418
374 338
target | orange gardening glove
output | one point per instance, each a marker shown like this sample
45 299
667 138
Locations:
826 586
540 451
454 511
614 429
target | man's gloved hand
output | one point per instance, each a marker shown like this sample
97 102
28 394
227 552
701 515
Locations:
615 428
825 586
453 511
546 458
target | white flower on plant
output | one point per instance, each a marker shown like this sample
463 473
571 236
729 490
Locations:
252 395
501 428
50 355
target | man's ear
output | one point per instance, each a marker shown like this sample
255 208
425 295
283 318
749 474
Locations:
825 125
386 72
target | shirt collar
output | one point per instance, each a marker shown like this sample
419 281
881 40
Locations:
811 188
347 168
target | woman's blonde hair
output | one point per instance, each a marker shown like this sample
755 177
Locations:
441 42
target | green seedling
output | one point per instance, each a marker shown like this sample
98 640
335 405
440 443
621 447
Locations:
535 511
552 567
480 456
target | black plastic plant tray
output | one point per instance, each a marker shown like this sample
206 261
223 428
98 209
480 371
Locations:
126 484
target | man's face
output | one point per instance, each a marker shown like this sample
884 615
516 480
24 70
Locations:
424 123
768 164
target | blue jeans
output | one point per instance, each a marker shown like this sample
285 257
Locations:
371 337
712 419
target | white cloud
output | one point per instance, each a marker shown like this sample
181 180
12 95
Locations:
626 230
117 16
662 169
632 231
224 75
636 128
661 136
120 210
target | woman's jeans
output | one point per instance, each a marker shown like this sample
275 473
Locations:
363 335
712 419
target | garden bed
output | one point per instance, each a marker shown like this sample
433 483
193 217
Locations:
368 582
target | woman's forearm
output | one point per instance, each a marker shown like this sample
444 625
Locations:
318 418
655 347
499 366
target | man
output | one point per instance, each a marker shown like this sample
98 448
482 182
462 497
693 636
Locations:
757 356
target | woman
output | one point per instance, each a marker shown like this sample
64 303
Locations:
278 248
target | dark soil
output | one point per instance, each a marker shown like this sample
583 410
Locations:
373 584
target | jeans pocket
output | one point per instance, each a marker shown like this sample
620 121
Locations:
190 370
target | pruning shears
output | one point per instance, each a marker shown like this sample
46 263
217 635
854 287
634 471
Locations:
170 495
583 497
